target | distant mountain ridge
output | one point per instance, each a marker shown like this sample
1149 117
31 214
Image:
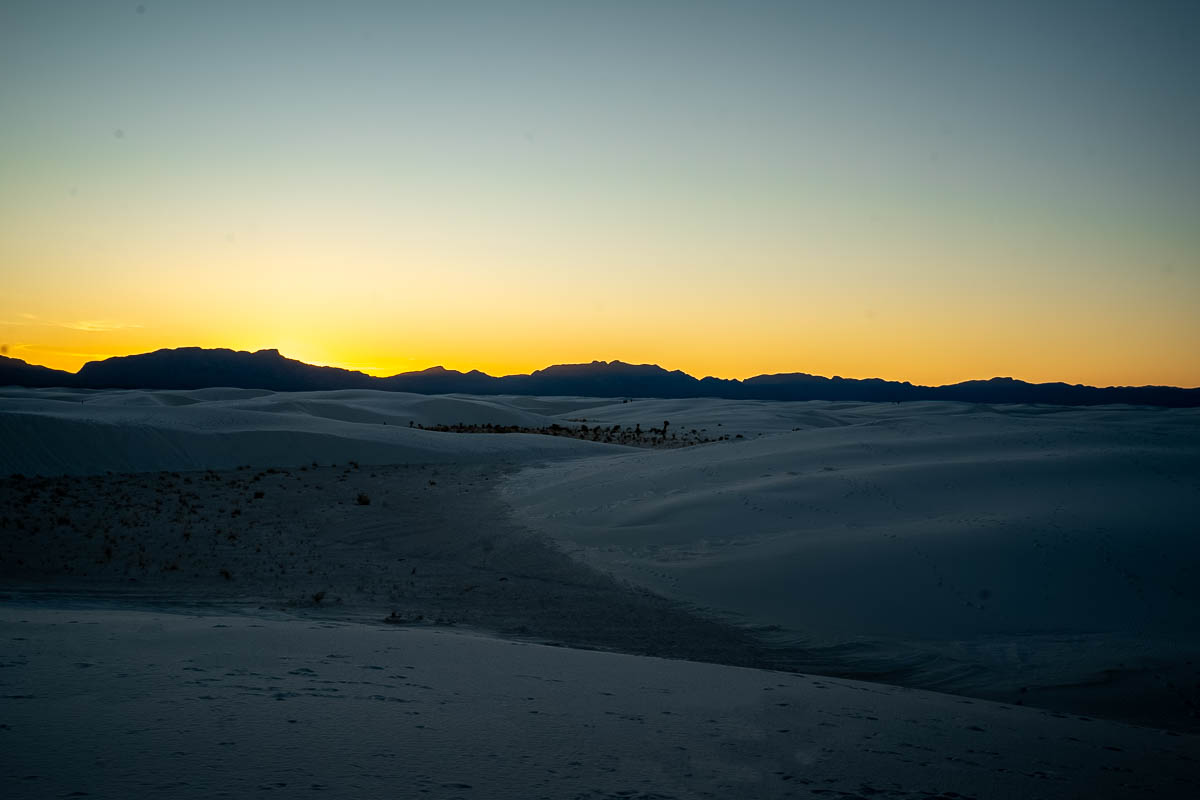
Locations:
199 368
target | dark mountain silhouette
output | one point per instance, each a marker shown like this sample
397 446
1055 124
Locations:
15 372
196 368
605 379
439 380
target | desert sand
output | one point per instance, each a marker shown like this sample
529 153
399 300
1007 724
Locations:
224 591
1038 554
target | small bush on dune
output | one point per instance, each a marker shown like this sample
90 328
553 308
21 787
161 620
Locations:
364 500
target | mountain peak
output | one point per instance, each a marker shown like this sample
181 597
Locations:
196 367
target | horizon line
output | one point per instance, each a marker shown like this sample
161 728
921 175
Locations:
360 371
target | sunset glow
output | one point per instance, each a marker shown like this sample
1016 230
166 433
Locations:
728 189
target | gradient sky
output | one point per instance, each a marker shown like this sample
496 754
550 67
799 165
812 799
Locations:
929 191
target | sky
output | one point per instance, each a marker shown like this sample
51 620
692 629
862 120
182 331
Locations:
924 191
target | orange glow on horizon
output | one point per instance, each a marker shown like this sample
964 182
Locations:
384 365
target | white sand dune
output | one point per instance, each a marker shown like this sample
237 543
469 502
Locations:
81 432
185 706
1051 544
721 417
1043 556
959 523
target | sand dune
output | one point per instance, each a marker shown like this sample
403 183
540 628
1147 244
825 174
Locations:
53 432
1041 556
959 523
431 542
190 706
1022 541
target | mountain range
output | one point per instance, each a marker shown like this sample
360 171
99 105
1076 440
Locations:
198 368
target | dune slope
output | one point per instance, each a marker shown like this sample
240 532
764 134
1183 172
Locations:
186 706
54 432
1041 546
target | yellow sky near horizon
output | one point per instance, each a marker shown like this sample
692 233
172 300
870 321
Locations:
875 345
903 304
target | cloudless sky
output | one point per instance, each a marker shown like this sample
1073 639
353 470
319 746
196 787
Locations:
929 191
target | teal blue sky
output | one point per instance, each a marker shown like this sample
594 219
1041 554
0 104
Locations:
931 191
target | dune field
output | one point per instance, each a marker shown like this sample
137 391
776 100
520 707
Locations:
233 590
1022 553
